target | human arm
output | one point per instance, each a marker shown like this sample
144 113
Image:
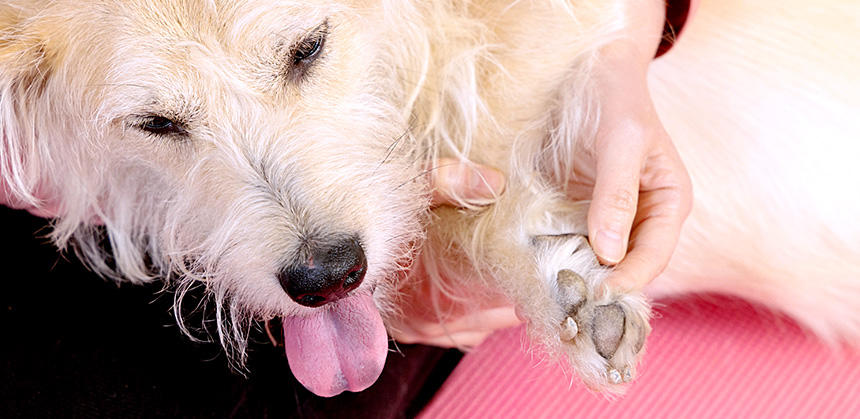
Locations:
640 189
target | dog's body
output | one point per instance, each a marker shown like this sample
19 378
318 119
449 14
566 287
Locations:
238 143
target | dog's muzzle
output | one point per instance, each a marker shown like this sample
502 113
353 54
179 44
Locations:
325 273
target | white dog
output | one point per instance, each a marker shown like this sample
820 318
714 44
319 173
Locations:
274 151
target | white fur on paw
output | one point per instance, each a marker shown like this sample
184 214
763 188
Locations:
603 334
598 330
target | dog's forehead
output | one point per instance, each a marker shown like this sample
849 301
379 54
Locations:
177 50
230 26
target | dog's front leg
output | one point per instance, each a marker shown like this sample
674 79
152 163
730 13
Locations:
600 330
533 248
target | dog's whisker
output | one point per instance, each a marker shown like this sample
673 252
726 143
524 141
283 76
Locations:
117 85
269 333
396 348
424 173
391 147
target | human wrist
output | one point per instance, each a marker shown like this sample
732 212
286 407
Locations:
642 33
632 51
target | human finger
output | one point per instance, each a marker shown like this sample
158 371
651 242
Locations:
453 181
655 235
615 197
468 330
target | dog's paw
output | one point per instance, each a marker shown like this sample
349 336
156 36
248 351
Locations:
607 333
600 331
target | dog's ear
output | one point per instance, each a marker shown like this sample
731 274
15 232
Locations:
24 72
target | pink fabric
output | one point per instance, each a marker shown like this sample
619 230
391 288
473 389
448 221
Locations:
714 358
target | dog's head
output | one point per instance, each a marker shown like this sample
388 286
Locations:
257 147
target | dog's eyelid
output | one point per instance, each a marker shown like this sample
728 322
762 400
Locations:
157 124
306 52
308 49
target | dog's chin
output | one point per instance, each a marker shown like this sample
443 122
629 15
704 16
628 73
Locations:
341 346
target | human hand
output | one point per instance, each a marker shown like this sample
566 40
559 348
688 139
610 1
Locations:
640 190
41 209
464 322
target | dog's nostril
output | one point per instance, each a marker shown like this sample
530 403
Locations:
311 300
354 277
325 273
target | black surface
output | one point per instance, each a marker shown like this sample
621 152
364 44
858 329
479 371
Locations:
75 345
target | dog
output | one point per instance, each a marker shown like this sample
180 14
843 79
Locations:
275 152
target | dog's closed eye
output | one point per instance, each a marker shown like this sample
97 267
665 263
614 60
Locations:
160 125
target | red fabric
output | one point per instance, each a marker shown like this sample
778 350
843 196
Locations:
677 14
715 358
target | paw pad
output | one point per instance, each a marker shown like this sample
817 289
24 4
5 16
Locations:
572 291
607 329
604 334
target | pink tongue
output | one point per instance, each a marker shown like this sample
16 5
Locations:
341 347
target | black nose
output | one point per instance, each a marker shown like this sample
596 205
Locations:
325 273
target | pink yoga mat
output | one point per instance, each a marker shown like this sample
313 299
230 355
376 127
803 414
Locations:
709 357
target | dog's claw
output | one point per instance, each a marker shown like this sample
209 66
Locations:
569 329
614 376
596 326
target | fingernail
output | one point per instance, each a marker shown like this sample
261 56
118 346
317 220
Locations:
486 183
610 246
446 176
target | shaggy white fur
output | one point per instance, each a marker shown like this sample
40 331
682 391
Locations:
270 152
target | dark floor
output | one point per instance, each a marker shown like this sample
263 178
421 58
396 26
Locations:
77 346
